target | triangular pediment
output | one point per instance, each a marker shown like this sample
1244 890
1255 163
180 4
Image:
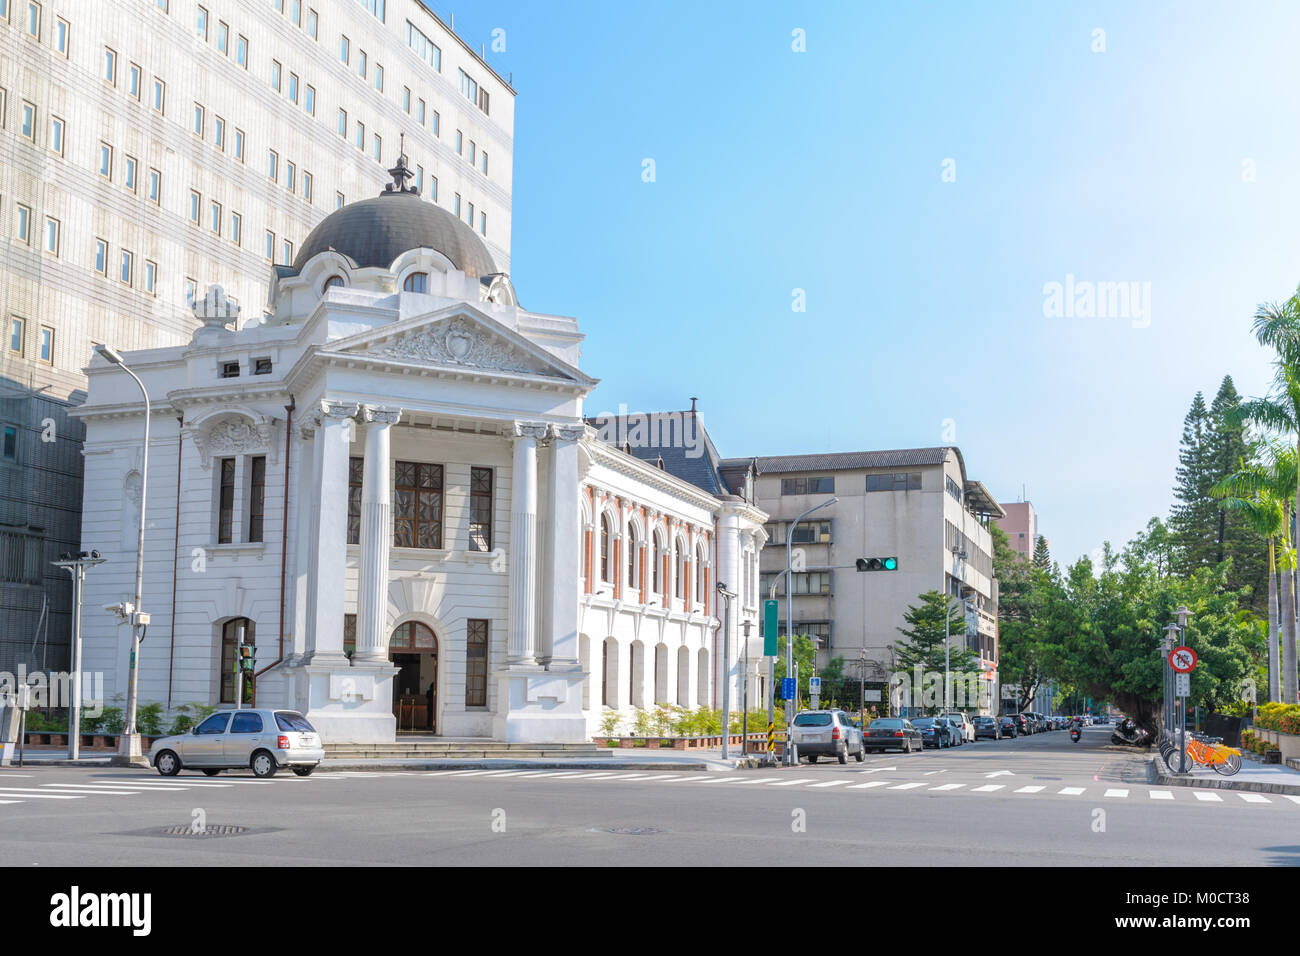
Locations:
460 340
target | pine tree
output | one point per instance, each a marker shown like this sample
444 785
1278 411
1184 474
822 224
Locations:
1195 518
1230 448
1042 557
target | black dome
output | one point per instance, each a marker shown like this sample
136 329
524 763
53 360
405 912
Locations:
374 232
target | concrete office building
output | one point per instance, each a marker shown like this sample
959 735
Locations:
918 505
150 148
1021 526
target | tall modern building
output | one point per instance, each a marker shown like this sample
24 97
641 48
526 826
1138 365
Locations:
1021 526
916 505
149 148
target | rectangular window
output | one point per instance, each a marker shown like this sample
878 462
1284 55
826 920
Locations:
361 135
129 177
339 200
56 135
433 188
201 25
239 145
226 502
417 505
406 99
11 454
34 19
219 133
379 77
106 161
198 119
420 112
309 100
456 206
468 87
23 224
101 257
256 498
470 217
419 179
306 185
262 366
47 345
135 81
313 24
52 228
812 582
376 7
214 222
356 469
808 486
191 291
236 226
482 223
287 251
159 96
125 267
472 152
61 35
270 246
272 164
345 49
476 662
230 369
899 481
295 12
377 147
150 275
223 37
195 202
17 334
241 51
480 509
155 186
460 143
343 123
362 63
423 47
484 166
275 75
290 174
293 88
29 121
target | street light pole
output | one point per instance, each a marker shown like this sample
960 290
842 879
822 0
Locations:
75 563
129 751
789 622
726 667
744 690
957 554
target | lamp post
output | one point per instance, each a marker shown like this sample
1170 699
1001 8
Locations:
789 622
75 563
726 667
744 677
958 554
129 752
1182 613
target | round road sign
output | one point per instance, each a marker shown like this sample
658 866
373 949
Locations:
1182 659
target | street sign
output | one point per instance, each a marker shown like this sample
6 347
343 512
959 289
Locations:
770 626
1183 685
787 688
1182 659
814 685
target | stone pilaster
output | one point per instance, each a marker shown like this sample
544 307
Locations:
376 536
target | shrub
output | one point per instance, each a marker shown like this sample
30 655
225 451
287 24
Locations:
663 719
148 719
609 722
187 715
642 723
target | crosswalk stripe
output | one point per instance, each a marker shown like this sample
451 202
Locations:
906 786
627 776
1254 798
138 787
10 801
1115 792
989 788
791 783
949 786
36 795
587 776
831 783
1210 797
1162 795
868 786
1291 798
1070 791
567 773
756 780
1029 790
91 793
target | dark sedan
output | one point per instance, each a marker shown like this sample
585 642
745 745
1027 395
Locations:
892 733
1009 726
936 732
1024 726
987 727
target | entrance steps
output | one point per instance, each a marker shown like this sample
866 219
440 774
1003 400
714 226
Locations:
441 748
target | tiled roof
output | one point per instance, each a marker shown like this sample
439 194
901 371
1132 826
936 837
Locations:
689 455
845 461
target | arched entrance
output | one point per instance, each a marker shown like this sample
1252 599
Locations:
413 648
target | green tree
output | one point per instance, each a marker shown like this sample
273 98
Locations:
805 659
1228 444
1021 587
1042 556
925 632
1194 521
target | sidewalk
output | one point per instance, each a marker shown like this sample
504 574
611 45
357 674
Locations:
1255 776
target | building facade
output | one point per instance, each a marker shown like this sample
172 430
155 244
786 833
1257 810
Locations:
915 505
149 148
1021 526
390 490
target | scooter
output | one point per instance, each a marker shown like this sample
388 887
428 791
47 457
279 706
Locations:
1075 734
1130 735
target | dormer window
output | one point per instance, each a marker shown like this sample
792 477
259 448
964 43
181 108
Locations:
330 283
230 370
416 282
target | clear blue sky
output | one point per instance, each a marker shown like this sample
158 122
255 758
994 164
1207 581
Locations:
822 171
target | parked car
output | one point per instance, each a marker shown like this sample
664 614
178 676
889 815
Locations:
263 740
985 726
893 733
963 723
936 732
1024 727
1009 726
827 733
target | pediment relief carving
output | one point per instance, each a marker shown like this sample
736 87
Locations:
460 342
235 433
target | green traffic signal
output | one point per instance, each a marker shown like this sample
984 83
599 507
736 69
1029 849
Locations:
877 564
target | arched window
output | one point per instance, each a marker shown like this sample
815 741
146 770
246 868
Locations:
606 533
633 548
682 556
230 634
657 563
330 283
700 586
416 282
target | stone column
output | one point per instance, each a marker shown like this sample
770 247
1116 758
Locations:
561 578
328 559
523 544
376 536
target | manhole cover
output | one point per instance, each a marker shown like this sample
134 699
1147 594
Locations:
629 831
185 830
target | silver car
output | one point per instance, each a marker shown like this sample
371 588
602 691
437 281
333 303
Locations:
262 740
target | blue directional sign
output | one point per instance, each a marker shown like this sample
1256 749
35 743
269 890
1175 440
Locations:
787 688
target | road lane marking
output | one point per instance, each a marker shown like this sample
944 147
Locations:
833 783
758 780
1029 790
569 773
791 783
877 769
949 786
33 794
868 786
989 788
1070 791
90 793
1254 798
906 786
139 787
10 801
1115 792
1291 798
1211 797
1162 795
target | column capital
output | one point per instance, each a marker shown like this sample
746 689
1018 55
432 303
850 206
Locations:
338 410
534 430
379 414
307 430
566 433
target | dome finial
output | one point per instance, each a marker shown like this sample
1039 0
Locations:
400 172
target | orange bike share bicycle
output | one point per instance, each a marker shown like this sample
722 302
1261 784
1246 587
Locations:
1208 752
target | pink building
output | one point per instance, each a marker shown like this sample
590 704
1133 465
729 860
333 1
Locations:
1021 526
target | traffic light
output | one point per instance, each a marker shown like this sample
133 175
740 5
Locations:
247 657
877 564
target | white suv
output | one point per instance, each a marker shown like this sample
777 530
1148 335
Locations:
963 723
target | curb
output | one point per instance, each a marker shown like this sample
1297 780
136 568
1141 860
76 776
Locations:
1158 773
506 763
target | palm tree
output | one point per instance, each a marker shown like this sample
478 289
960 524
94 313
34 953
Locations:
1261 492
1278 325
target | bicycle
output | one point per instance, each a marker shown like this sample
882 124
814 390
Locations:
1211 752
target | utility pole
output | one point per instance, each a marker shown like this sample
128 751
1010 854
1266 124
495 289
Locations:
789 624
75 563
726 667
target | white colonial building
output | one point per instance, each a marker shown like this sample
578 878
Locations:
390 490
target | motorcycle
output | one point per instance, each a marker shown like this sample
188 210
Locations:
1075 733
1129 734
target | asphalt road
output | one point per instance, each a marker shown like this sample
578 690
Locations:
1039 800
